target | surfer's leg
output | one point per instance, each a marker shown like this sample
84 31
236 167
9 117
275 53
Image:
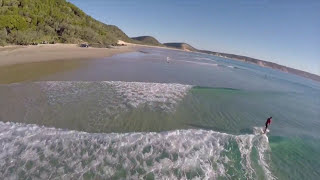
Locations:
265 129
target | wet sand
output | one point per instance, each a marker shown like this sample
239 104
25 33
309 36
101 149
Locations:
34 63
35 70
23 63
23 54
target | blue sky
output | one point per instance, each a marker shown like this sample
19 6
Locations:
285 32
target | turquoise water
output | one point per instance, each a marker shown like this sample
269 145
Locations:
135 116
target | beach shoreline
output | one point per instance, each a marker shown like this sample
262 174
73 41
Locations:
11 55
31 63
16 54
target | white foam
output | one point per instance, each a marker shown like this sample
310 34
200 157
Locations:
123 94
40 152
138 93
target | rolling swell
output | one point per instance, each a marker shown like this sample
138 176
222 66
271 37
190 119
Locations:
31 151
107 106
216 88
103 106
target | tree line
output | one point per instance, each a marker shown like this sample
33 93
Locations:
25 22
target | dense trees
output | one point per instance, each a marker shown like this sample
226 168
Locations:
32 21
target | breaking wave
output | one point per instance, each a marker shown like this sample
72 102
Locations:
31 151
133 94
39 152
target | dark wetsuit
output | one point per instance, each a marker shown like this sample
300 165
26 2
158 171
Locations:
268 122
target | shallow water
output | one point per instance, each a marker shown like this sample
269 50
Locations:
136 116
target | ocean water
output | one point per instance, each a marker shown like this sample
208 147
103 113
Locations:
136 116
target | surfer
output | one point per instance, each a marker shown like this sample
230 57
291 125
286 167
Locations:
268 122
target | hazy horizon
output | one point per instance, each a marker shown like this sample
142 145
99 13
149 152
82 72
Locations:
284 33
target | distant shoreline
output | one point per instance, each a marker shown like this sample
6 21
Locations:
16 54
32 62
261 63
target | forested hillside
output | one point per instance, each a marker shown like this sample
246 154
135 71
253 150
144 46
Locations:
32 21
182 46
148 40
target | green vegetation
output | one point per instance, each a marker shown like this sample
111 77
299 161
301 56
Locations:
182 46
148 40
26 22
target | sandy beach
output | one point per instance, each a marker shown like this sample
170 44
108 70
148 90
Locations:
24 63
29 63
10 55
15 54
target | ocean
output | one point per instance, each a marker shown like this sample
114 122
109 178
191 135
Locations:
139 116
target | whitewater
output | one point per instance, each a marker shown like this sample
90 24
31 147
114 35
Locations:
32 151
